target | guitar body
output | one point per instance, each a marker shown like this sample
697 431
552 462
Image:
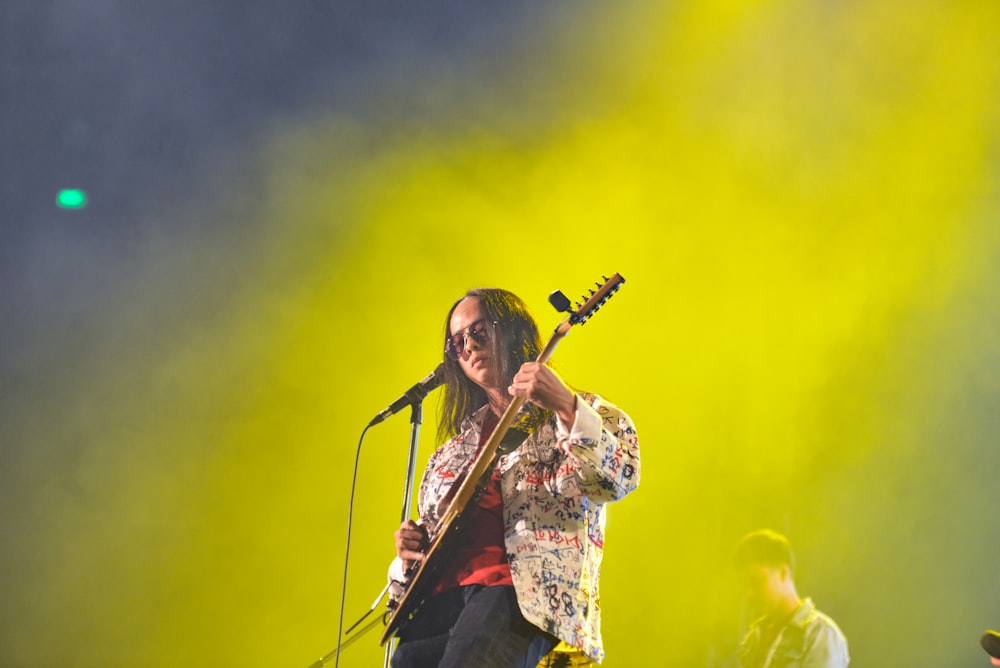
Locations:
509 433
423 578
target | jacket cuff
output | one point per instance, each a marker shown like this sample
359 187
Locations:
586 425
396 571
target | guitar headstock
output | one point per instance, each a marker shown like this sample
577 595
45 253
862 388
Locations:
594 300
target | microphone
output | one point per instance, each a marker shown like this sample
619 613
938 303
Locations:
414 395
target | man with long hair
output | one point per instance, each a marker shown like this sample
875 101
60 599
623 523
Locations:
525 577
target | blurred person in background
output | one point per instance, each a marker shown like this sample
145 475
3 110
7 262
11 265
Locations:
791 632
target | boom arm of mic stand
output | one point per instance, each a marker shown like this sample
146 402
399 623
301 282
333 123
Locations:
370 610
348 641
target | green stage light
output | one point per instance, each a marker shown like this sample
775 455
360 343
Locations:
71 199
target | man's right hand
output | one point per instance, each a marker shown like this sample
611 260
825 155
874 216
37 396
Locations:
411 543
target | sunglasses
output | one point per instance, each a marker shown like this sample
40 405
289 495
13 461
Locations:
479 331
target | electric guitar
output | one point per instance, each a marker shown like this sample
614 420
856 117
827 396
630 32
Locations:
508 434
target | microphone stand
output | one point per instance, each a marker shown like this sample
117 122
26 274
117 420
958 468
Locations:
416 417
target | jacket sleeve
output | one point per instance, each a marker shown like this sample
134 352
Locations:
826 649
397 579
602 449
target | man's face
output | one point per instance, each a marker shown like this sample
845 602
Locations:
764 586
469 327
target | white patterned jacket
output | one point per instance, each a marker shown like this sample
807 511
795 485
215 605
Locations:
555 486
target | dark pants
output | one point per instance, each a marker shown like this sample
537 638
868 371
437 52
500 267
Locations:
471 626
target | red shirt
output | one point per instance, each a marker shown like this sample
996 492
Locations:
482 559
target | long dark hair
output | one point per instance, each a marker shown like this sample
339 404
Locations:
514 340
